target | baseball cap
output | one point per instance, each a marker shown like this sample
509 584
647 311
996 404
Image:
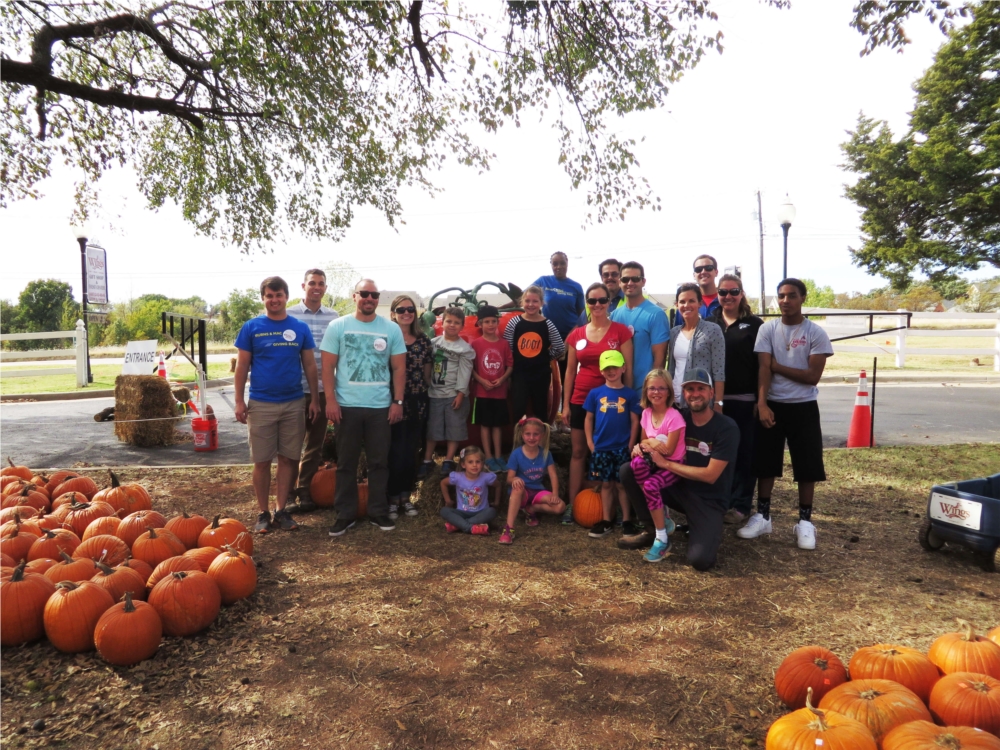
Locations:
697 375
487 311
611 358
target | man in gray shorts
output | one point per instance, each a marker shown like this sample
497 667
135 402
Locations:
274 349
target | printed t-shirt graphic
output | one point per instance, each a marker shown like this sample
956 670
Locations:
470 494
365 362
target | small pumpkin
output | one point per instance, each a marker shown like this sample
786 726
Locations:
28 495
103 525
82 484
187 528
881 705
136 524
168 566
72 613
236 574
128 633
103 548
81 516
17 543
187 602
809 667
68 499
17 524
12 470
24 512
587 508
203 556
812 727
71 569
907 666
22 605
41 565
118 581
923 735
157 545
965 651
323 485
967 699
144 569
52 542
57 479
125 498
226 531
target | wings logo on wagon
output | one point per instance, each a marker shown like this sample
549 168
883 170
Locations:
956 511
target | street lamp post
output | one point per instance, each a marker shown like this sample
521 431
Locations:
786 214
81 238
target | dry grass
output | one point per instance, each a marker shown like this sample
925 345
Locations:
421 639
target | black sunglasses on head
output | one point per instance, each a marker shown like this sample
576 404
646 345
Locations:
702 269
730 292
365 294
410 309
597 301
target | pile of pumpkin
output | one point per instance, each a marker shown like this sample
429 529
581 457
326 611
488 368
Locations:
896 698
99 568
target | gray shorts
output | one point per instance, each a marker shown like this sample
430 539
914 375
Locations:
276 429
445 423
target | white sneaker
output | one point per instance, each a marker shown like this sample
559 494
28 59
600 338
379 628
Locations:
805 535
755 527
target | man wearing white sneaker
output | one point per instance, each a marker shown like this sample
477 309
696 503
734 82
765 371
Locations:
792 352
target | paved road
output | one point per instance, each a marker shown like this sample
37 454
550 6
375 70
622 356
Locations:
61 433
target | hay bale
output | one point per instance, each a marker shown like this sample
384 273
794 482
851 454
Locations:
182 394
144 397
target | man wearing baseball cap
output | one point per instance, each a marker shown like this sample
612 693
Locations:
706 475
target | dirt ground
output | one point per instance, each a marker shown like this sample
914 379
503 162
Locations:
417 638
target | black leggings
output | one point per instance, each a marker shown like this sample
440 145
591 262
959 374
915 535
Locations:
530 392
405 447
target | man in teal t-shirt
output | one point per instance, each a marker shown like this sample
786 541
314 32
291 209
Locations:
364 376
648 323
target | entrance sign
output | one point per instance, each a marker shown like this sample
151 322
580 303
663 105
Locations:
140 358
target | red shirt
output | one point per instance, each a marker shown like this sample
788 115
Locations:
493 358
588 355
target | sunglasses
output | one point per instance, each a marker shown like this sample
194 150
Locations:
702 269
730 292
610 275
597 301
631 279
366 294
410 310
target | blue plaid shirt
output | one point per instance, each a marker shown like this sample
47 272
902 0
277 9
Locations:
317 322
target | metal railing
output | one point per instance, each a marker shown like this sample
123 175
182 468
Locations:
78 352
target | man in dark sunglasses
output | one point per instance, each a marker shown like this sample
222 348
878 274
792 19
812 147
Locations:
610 272
706 270
648 324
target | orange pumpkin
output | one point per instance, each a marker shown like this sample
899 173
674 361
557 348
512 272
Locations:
28 495
136 524
587 508
22 472
84 485
103 548
187 528
881 705
128 633
226 531
16 524
811 728
904 665
236 575
17 543
203 556
7 561
52 542
22 605
994 635
323 486
157 545
966 699
168 566
125 498
187 602
102 525
119 581
41 565
808 668
923 735
71 614
72 569
57 479
965 651
24 512
144 569
81 516
68 499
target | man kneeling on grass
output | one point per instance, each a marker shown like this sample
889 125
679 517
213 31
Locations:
706 475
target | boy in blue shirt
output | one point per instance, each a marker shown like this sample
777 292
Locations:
611 427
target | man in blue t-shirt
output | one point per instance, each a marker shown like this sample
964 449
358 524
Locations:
646 321
706 269
364 378
275 349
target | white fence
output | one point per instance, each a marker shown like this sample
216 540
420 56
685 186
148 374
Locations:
79 353
837 326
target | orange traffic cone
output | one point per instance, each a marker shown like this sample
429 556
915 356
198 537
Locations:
860 434
161 370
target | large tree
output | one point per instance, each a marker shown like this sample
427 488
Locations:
930 201
256 115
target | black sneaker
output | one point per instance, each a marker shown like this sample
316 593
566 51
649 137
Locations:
410 509
341 526
425 469
304 505
284 521
630 528
601 529
637 541
383 522
447 467
263 524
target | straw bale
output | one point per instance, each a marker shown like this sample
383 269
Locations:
144 397
182 394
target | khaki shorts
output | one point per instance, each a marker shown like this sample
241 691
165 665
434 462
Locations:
276 429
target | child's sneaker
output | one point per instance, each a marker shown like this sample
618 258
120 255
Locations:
450 527
805 534
425 469
480 529
410 509
447 467
507 536
669 525
567 516
530 519
495 465
601 529
755 527
657 552
393 511
630 528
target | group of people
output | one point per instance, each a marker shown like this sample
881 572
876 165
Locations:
687 411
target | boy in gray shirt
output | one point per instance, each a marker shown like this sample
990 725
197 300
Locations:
449 390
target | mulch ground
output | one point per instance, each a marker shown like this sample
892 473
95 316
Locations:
417 638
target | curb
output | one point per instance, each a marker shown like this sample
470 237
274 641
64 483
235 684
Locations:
897 378
76 395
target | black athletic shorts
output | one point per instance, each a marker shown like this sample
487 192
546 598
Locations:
577 416
799 425
490 412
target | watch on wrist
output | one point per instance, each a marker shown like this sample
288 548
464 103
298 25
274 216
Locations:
399 402
719 403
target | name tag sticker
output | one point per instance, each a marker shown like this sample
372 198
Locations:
288 334
581 345
379 345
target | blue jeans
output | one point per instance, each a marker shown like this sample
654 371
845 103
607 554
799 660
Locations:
466 519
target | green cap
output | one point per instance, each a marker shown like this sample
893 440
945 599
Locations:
611 358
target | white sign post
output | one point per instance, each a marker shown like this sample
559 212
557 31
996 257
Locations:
140 358
97 275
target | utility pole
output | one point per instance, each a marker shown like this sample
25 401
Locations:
760 222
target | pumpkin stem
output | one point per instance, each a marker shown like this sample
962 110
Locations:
968 634
948 741
152 532
819 723
66 558
104 568
68 585
115 482
215 521
129 606
869 695
49 534
18 574
10 462
180 575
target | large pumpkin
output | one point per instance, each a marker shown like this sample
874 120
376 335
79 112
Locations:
17 543
81 484
13 470
118 581
587 508
923 735
168 566
57 479
102 525
236 575
966 699
810 728
187 528
136 524
81 516
203 556
72 569
41 565
187 602
67 500
22 605
226 531
52 542
157 545
808 668
103 548
323 486
904 665
71 614
144 569
881 705
125 498
128 633
965 651
28 495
